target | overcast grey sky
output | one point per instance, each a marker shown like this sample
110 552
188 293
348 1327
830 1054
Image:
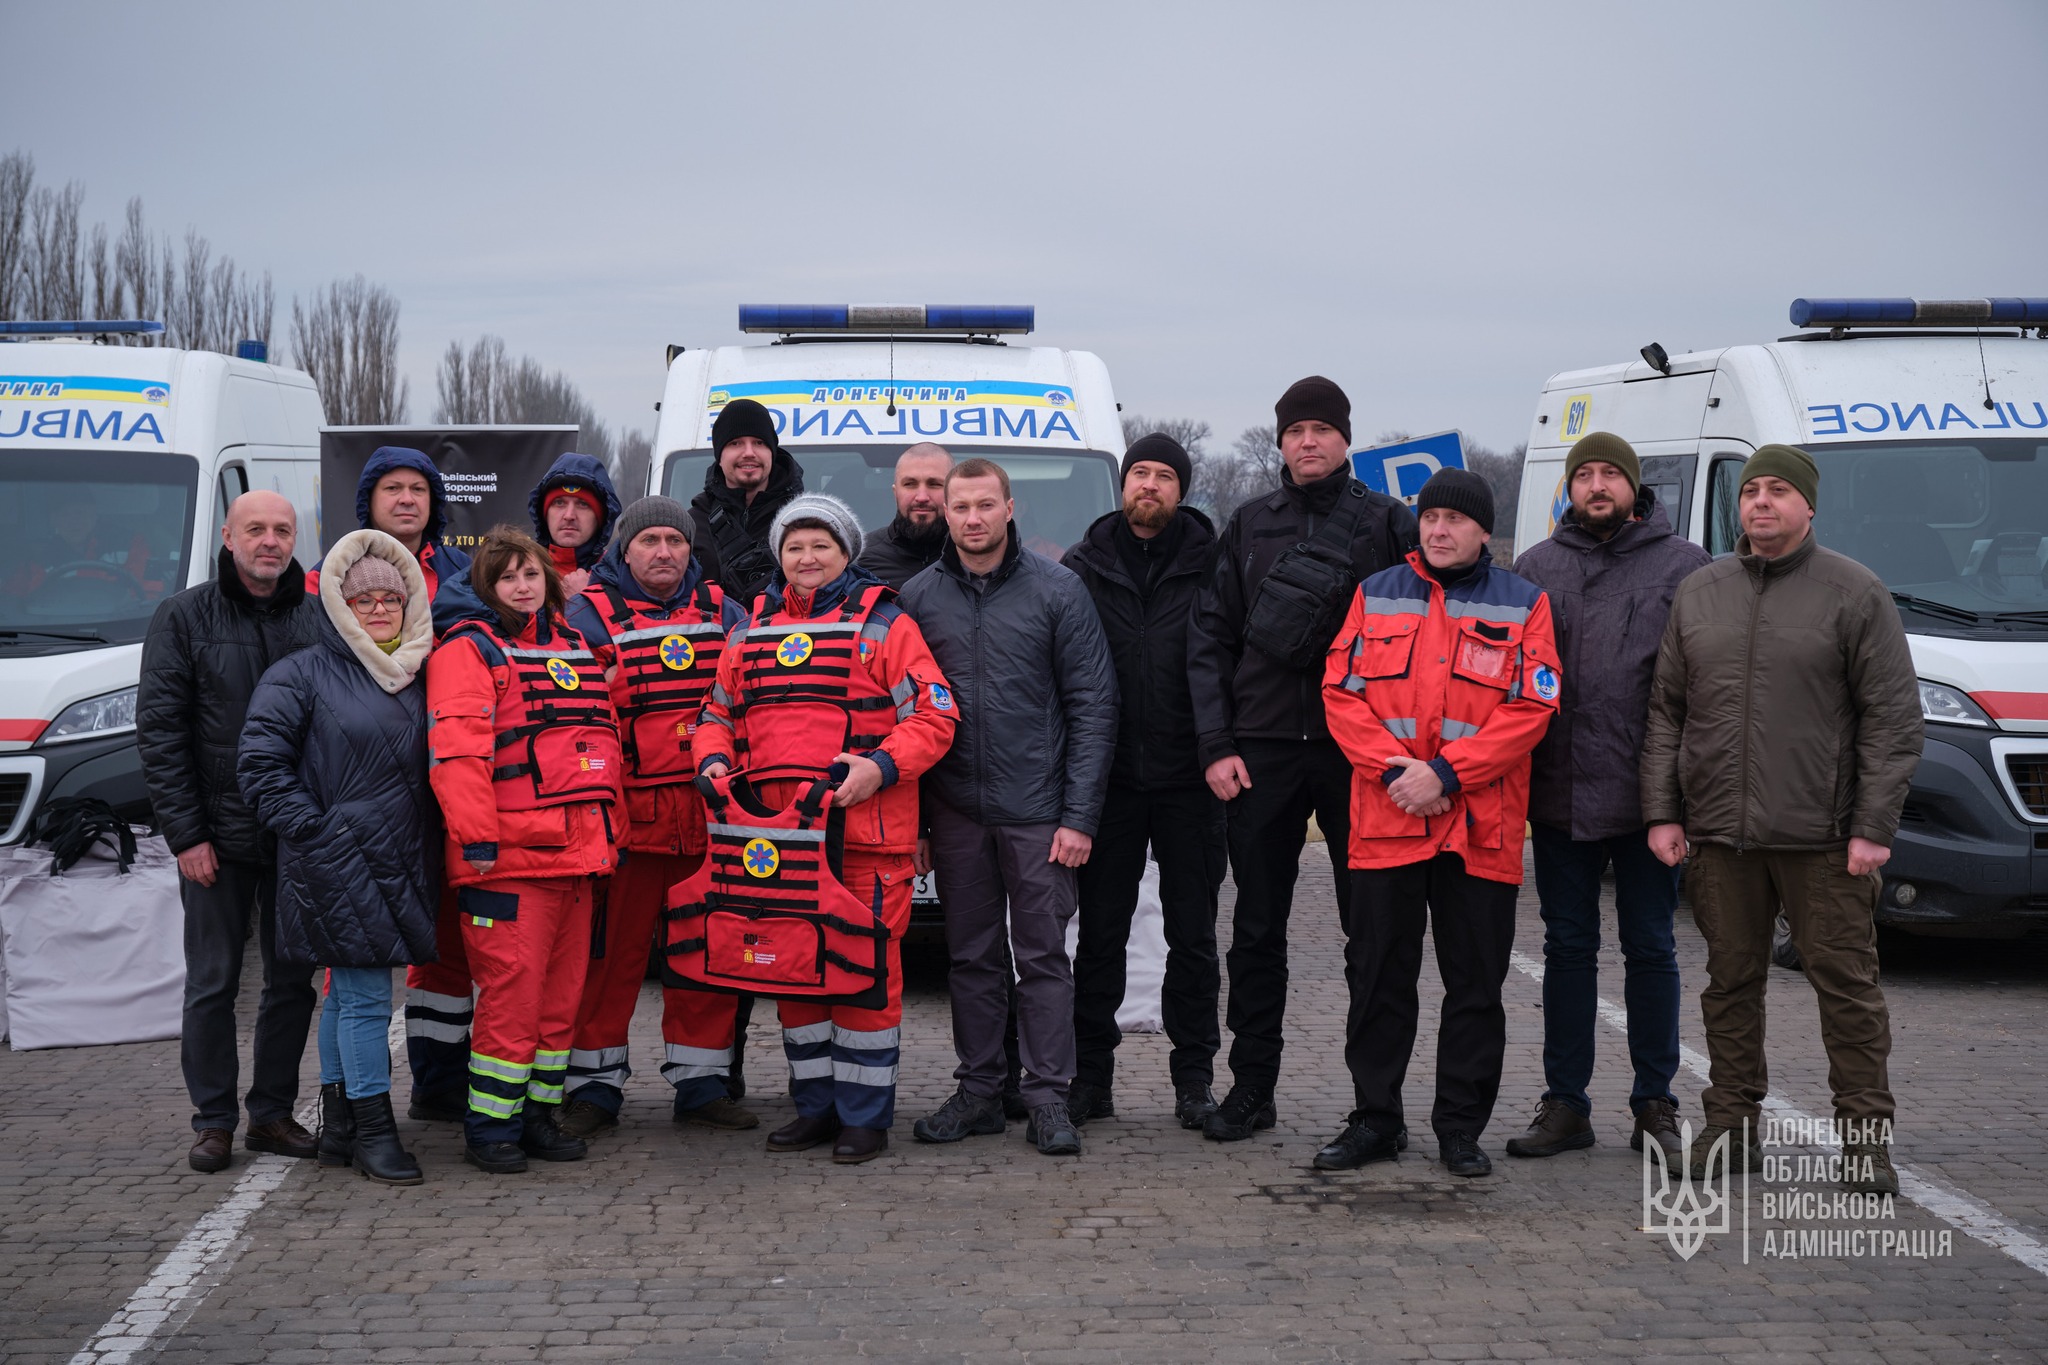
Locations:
1436 205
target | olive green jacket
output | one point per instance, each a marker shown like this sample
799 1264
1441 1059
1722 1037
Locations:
1784 713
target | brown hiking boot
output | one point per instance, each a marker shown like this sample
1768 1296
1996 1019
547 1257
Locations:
582 1119
1741 1156
1658 1121
285 1137
723 1112
1867 1168
1556 1128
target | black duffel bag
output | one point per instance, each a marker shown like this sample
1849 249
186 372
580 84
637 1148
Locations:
1302 600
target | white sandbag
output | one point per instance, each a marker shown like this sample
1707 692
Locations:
1144 960
93 956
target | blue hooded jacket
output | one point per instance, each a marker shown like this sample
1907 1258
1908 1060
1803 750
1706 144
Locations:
572 468
611 571
449 565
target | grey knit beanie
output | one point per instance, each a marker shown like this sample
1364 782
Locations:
835 516
653 511
371 573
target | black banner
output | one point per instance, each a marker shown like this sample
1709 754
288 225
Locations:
488 471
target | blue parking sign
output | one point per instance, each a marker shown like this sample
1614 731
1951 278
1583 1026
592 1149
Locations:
1402 468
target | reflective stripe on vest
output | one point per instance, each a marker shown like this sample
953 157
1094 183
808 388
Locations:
556 743
666 666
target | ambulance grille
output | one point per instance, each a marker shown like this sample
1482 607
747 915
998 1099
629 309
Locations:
13 791
2029 778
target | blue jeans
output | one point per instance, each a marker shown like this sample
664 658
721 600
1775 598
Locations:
355 1031
1645 900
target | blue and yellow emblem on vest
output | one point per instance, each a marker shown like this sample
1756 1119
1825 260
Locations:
761 858
677 652
564 675
793 650
942 699
1544 682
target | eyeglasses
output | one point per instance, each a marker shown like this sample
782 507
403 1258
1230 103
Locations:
382 601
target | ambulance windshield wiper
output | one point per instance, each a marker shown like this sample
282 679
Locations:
83 637
1944 610
2024 618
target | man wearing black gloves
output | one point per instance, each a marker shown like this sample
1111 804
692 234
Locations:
751 479
1285 570
1143 566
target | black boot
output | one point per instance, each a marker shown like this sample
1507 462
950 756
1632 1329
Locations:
541 1137
337 1126
378 1154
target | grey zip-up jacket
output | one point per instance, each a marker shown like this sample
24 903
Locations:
1609 600
1031 670
1785 714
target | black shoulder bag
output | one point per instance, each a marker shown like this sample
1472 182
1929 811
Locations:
1296 611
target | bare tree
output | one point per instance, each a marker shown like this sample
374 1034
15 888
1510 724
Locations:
483 385
17 181
1502 470
632 464
347 339
51 265
137 278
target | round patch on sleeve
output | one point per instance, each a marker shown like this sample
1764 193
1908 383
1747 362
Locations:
1544 682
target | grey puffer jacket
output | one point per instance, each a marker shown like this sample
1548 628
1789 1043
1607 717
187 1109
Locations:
1608 603
1785 714
1036 687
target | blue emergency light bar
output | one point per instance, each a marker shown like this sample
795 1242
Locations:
892 318
74 327
1919 312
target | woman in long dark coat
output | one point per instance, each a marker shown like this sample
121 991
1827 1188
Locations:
334 762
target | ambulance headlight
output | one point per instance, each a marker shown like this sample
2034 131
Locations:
1950 706
94 717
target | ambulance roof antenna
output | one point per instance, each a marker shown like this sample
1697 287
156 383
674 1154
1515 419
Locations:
892 374
1985 370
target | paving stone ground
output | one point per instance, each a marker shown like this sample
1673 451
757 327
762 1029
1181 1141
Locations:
673 1244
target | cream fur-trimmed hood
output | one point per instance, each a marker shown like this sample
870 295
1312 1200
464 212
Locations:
395 670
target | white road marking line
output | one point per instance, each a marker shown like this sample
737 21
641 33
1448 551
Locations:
1959 1210
177 1287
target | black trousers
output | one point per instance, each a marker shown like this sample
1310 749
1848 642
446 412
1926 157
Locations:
1268 827
1183 826
216 934
1473 922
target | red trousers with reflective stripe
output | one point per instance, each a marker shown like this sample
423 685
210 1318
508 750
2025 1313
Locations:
529 975
611 988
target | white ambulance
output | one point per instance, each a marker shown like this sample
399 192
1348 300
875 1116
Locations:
850 387
117 464
1929 421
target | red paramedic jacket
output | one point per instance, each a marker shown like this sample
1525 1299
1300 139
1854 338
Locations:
524 749
859 668
1465 679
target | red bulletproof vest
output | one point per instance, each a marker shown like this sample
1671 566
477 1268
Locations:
556 741
666 666
766 913
805 695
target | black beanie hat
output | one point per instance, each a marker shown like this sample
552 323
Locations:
742 417
1460 490
1314 399
1160 449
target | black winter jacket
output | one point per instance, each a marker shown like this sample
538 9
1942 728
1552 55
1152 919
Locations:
206 648
1036 688
1609 600
896 560
1148 638
731 537
1240 692
335 765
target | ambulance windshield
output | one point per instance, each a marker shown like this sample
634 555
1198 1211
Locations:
1057 494
1958 530
90 542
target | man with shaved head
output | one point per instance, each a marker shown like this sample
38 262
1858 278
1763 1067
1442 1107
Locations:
206 648
913 540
